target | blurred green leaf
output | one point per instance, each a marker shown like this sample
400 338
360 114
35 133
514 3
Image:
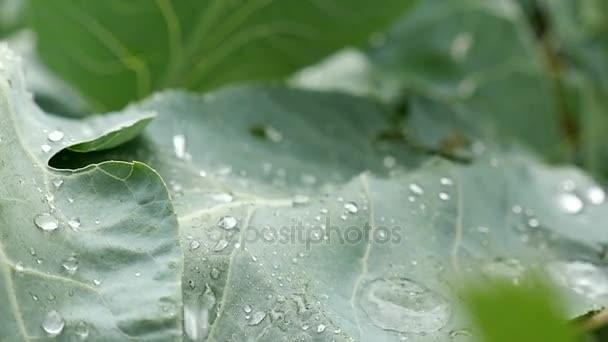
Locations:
116 51
504 312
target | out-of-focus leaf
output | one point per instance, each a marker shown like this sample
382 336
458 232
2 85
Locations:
580 32
91 253
276 191
505 312
194 44
471 62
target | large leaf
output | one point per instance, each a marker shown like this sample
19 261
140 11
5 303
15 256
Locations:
258 264
88 253
193 44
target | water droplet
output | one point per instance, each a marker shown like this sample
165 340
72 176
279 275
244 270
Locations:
49 197
46 148
220 245
257 318
81 330
446 181
46 222
415 188
223 197
196 315
596 195
533 223
194 245
305 327
402 305
247 308
483 229
444 196
74 223
53 323
389 162
321 328
97 282
300 200
215 273
203 173
570 203
179 145
57 182
351 207
19 267
70 265
55 136
227 222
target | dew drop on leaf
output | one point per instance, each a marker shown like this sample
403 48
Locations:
389 162
179 145
247 308
57 182
53 323
227 222
46 148
74 223
446 181
417 189
19 267
220 245
570 203
194 245
300 200
55 136
444 196
70 265
402 305
46 222
215 273
81 330
596 195
321 328
196 315
351 207
257 318
533 223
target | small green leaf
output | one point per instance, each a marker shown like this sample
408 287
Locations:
504 312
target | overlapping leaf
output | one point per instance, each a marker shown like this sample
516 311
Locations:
88 253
